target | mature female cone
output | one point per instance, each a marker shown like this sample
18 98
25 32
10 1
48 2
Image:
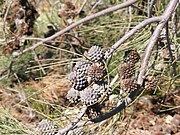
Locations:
126 70
92 94
78 80
95 54
46 127
73 95
129 85
131 56
80 83
89 97
77 131
93 111
96 72
150 83
82 67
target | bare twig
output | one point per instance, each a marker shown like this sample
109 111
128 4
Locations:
170 51
130 19
144 12
165 17
150 7
73 123
82 6
39 63
122 106
88 18
132 32
94 6
175 23
5 16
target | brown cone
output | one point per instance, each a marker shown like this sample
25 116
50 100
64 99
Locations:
126 70
150 83
129 85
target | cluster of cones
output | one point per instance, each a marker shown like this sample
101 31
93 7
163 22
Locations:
88 83
127 71
127 74
87 78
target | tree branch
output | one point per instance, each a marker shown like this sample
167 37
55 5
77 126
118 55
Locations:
165 17
122 106
73 123
151 4
88 18
132 32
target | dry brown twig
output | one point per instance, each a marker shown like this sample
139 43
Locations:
82 6
5 16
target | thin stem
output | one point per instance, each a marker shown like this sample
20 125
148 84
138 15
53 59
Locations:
5 16
82 6
170 51
132 32
151 4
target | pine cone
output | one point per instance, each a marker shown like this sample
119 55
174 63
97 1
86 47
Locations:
131 56
129 85
46 127
73 95
89 97
126 70
92 94
76 131
82 67
96 71
150 83
95 54
78 80
93 111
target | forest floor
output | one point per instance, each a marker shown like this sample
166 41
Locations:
149 115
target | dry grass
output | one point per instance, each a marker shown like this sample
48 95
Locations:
32 96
